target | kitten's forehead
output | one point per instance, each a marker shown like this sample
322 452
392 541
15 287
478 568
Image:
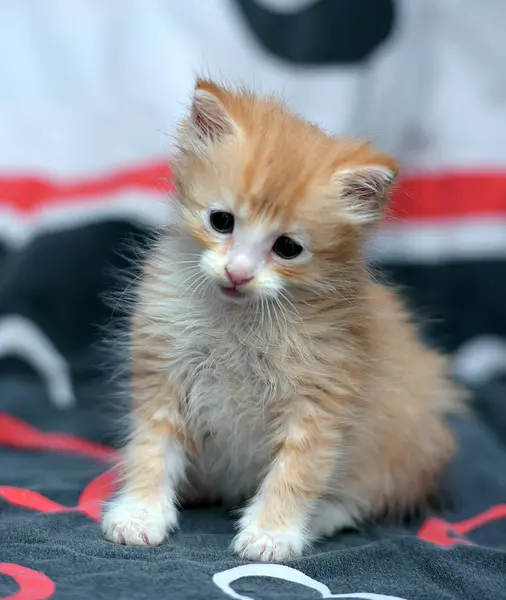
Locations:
274 185
258 222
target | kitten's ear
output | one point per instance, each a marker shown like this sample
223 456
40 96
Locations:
210 117
365 190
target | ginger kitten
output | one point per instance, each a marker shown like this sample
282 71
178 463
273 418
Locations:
267 367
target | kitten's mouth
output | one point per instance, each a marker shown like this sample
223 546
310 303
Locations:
231 291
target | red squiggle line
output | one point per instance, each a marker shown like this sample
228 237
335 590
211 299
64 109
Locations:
18 434
29 499
97 491
33 585
488 516
442 533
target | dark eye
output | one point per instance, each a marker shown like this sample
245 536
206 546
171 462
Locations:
222 221
287 248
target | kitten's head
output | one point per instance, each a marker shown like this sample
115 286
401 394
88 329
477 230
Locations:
273 202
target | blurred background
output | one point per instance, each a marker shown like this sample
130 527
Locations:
91 92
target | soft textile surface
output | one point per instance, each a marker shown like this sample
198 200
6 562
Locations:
90 91
52 547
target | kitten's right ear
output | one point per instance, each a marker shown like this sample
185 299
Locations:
365 190
210 118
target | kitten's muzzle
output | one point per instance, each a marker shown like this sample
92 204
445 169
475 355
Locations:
236 279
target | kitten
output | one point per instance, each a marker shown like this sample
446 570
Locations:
267 367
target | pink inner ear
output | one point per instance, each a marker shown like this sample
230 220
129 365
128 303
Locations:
366 190
209 116
202 123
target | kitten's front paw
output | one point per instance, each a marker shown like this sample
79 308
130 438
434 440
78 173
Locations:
255 543
133 522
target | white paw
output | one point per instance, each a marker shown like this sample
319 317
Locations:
135 522
268 546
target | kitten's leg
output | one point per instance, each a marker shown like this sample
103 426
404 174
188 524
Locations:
153 469
330 517
275 524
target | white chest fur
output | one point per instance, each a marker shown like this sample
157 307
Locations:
228 367
227 360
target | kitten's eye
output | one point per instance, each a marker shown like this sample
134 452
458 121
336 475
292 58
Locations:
287 248
222 221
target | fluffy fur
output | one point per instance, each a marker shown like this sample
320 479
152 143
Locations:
298 385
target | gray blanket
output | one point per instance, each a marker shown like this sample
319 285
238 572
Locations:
51 549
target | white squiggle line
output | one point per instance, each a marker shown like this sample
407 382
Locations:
480 359
225 578
21 337
287 7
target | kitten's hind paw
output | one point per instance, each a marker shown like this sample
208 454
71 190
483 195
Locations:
133 522
265 545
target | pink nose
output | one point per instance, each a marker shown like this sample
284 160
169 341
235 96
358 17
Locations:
238 277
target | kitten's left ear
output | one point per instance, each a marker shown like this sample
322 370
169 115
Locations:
365 189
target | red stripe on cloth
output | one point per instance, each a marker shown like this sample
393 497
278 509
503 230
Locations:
451 195
421 197
28 194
